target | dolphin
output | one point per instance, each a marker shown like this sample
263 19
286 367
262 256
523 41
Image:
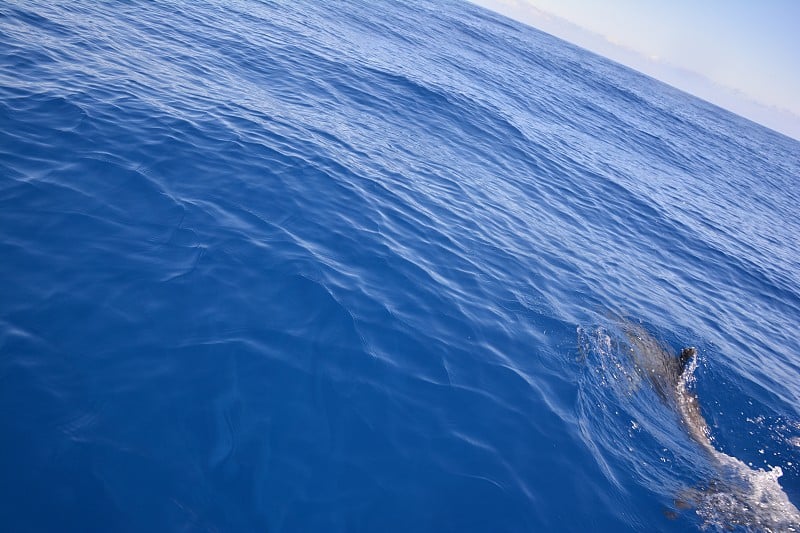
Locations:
669 377
739 495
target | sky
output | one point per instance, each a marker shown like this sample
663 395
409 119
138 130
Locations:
743 55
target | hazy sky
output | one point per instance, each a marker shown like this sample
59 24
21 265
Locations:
750 46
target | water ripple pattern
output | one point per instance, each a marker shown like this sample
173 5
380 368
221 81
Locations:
353 266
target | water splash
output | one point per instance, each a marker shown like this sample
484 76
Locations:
745 497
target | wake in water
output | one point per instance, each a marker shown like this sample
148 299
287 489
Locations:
627 366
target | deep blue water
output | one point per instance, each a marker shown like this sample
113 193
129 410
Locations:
360 267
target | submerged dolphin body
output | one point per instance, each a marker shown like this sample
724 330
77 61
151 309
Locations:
739 495
669 377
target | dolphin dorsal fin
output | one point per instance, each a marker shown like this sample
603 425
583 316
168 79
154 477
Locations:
686 356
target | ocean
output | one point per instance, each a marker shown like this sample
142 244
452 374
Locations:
382 266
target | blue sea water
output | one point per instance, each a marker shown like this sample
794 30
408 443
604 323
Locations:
363 266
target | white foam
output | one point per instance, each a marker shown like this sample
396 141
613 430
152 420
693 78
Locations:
748 498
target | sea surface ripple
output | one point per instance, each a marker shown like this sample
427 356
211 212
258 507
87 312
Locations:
355 266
